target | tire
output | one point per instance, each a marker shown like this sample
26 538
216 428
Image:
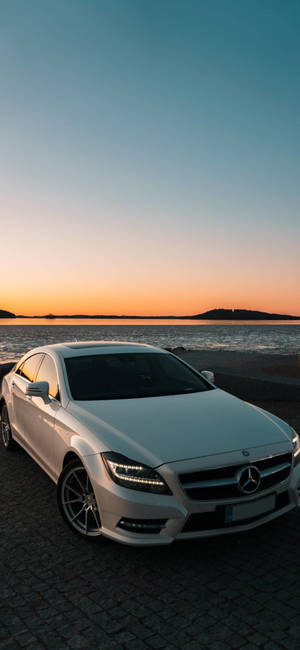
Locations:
6 436
76 501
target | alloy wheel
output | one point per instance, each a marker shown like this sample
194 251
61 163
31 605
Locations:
77 501
5 429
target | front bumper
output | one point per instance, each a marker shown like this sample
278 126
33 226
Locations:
178 517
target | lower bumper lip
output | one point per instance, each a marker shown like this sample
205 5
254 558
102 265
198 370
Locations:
174 533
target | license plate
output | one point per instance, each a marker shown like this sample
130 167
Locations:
250 509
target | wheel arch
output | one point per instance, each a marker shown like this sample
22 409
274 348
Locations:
2 403
79 449
84 496
70 455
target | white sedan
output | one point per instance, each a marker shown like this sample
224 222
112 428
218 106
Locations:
143 448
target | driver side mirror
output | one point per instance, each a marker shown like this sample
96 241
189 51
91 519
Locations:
209 375
38 389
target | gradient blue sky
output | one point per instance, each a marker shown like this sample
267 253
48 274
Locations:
150 155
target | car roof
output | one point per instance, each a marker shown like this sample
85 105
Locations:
86 348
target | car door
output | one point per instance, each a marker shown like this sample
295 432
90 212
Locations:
44 414
22 414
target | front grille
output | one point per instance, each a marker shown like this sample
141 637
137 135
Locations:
217 519
221 482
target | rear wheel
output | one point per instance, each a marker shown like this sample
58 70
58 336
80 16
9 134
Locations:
77 502
7 438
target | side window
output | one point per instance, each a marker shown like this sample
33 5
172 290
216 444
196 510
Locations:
29 368
19 370
47 372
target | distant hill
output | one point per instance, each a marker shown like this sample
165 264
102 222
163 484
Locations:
6 314
213 314
241 314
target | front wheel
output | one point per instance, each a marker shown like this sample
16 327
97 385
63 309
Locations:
76 500
7 438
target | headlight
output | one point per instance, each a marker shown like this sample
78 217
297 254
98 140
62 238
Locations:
131 474
295 442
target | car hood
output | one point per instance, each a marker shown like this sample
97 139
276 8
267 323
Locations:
157 430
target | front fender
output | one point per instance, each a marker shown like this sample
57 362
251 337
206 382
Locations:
91 461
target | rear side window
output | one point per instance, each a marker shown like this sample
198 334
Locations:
47 372
29 368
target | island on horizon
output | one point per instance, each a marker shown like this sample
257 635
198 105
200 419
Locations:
212 314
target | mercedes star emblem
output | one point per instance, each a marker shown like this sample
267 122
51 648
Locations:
248 479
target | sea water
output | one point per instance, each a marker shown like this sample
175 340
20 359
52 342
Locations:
17 336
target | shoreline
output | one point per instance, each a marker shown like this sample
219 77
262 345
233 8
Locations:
257 364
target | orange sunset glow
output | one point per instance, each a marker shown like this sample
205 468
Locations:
122 267
149 271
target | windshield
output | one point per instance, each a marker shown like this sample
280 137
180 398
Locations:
130 375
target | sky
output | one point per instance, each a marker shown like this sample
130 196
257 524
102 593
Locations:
149 156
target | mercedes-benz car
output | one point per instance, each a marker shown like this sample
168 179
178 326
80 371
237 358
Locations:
145 449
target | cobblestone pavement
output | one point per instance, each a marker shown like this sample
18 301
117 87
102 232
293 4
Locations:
60 591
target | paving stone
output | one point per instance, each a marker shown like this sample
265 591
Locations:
59 592
9 644
78 641
136 644
156 642
236 641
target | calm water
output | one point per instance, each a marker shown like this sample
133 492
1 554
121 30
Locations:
271 337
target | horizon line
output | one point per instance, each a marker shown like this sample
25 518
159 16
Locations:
209 315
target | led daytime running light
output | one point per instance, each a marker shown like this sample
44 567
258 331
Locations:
136 467
115 466
134 475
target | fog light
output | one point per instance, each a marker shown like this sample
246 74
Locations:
152 526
